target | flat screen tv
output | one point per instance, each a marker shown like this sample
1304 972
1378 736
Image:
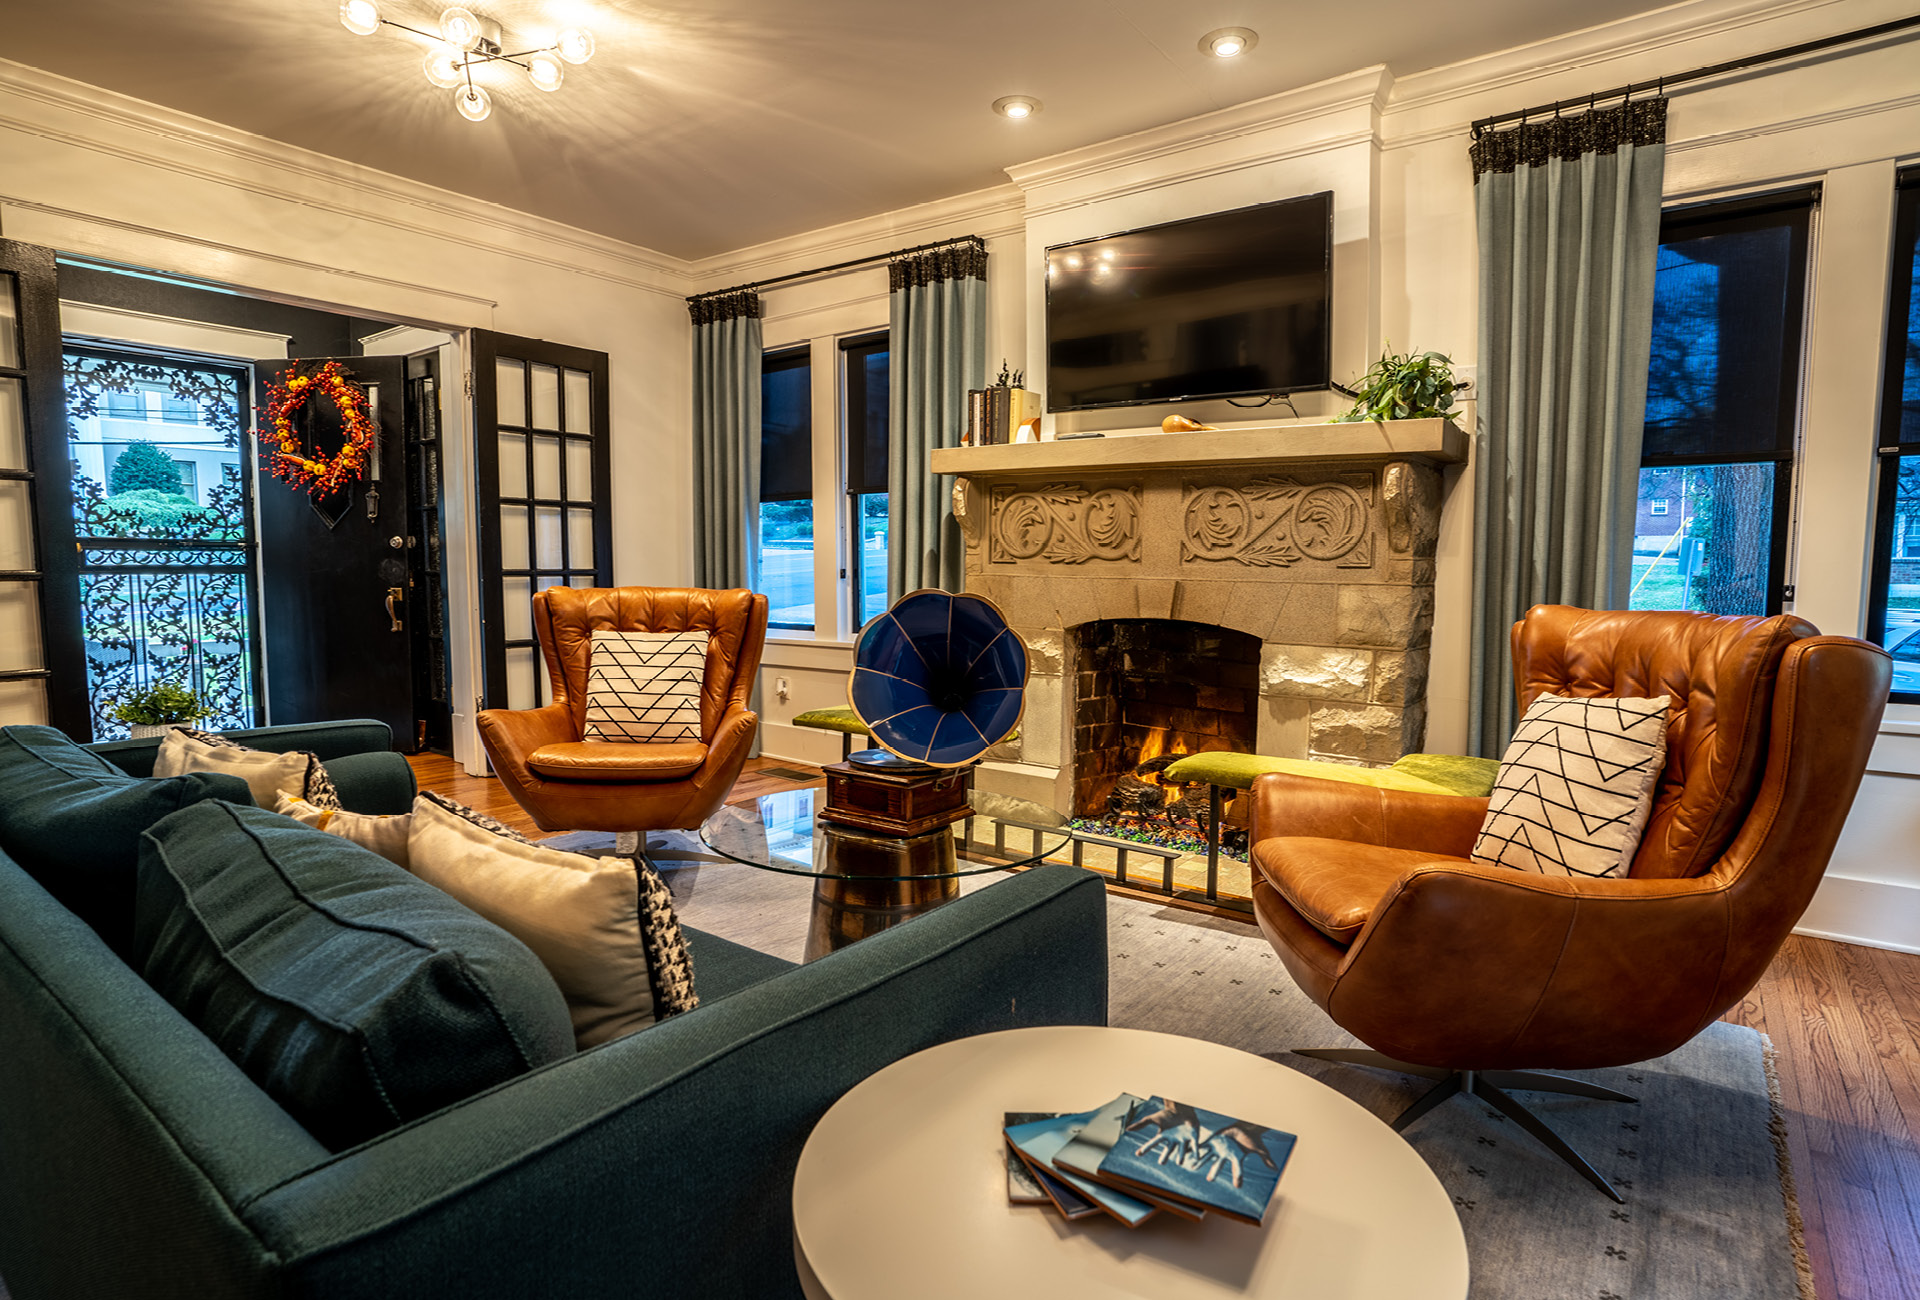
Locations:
1232 304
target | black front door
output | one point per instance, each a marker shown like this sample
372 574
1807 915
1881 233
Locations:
334 570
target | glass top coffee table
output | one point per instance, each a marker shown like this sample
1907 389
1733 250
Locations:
865 882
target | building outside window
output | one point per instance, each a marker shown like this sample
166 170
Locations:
867 391
1893 615
786 490
1723 390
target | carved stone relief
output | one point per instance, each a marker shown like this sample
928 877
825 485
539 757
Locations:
1280 521
1064 523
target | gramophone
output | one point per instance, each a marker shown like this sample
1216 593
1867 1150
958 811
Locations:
937 680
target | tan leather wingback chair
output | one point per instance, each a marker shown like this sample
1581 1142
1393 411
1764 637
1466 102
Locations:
566 783
1478 975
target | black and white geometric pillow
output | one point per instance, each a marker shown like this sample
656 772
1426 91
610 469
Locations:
644 687
1576 786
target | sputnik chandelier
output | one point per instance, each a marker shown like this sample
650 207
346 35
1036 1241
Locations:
465 42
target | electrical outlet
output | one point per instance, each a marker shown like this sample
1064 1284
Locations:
781 688
1465 376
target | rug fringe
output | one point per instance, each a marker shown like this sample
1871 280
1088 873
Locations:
1783 1159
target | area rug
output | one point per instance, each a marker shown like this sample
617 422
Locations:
1701 1158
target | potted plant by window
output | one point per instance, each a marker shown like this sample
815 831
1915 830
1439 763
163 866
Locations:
157 709
1417 386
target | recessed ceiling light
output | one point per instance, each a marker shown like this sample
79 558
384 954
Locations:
1229 42
1016 106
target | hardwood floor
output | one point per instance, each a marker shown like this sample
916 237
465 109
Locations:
1845 1025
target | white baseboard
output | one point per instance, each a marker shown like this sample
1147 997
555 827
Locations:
1871 913
810 745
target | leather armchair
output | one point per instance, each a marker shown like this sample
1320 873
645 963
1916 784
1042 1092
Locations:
1477 975
567 783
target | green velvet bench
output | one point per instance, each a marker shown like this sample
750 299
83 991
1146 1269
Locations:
844 721
1455 774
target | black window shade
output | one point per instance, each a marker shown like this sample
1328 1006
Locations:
867 396
1729 299
786 427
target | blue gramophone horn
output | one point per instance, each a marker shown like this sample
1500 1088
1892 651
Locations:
938 678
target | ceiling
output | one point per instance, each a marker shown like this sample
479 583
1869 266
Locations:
702 126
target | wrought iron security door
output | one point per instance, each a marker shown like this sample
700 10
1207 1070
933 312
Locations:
163 531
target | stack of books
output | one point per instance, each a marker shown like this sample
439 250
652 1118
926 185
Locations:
1136 1157
994 415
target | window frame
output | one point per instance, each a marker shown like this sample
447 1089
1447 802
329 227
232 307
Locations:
1889 448
853 397
1729 216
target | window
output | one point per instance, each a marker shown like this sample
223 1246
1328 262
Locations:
867 395
1893 612
1723 388
786 489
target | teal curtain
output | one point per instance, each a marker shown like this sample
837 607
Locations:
937 350
726 447
726 439
1569 228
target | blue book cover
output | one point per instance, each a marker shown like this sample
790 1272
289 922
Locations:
1022 1187
1168 1148
1041 1140
1082 1155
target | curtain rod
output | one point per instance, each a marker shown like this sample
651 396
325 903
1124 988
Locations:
1661 84
843 266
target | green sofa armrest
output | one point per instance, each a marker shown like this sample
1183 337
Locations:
358 755
662 1164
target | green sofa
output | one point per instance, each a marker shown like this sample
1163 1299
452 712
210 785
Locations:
136 1160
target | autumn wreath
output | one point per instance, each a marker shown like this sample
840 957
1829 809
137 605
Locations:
285 451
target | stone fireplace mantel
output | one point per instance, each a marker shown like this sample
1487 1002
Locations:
1431 442
1316 539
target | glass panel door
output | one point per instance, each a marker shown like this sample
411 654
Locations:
541 433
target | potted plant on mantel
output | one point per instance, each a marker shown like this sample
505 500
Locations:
155 710
1411 387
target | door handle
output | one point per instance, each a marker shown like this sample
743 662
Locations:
394 596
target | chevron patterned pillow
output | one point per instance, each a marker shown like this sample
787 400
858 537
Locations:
644 687
1576 786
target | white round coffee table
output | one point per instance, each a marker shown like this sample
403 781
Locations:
902 1188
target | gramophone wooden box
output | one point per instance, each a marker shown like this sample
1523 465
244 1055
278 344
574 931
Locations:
903 800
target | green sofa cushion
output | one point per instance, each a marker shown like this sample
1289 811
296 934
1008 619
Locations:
356 996
73 821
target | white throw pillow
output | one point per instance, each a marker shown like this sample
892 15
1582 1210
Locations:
267 774
603 927
644 687
1576 786
386 836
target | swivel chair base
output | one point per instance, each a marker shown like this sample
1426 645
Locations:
1489 1085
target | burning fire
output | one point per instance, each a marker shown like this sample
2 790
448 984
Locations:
1155 746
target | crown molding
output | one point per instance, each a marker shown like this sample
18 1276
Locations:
211 151
1365 88
1572 51
990 213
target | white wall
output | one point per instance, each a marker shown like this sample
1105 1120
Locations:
89 172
